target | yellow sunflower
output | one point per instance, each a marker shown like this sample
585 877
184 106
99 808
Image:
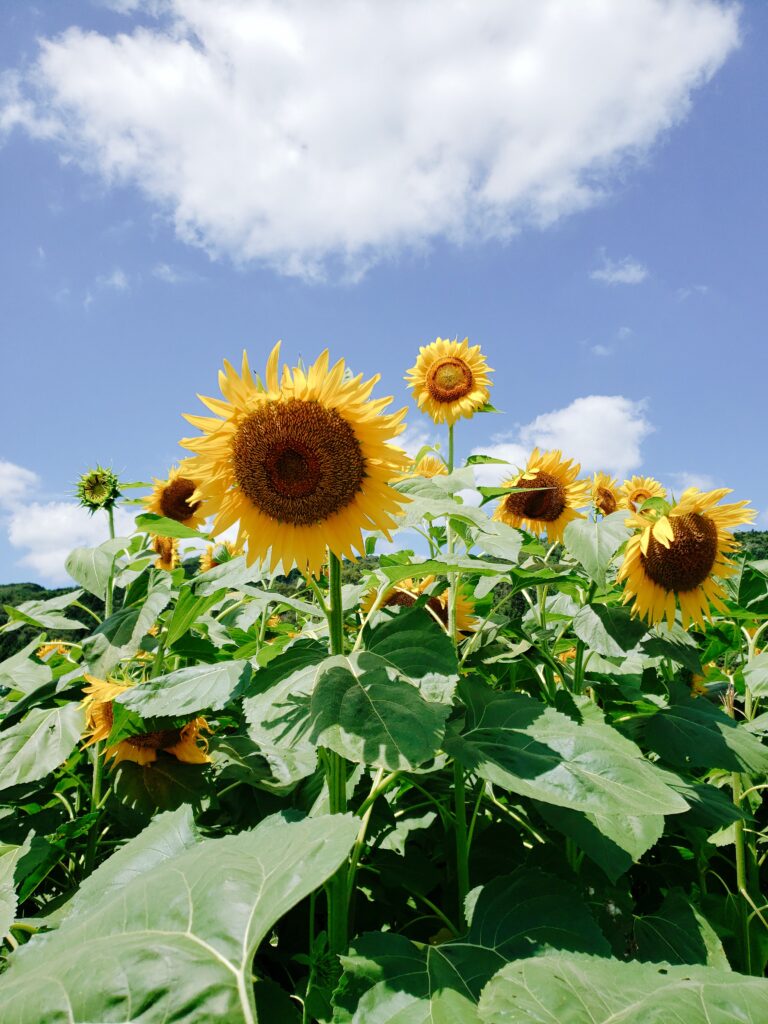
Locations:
555 495
186 744
167 550
450 380
407 592
676 558
301 462
605 494
46 649
214 555
174 497
637 489
428 466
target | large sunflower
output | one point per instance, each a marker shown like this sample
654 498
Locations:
552 494
186 744
301 463
637 489
676 558
450 380
407 592
605 493
173 498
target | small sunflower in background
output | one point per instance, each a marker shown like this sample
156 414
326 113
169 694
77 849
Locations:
98 488
407 592
186 744
550 496
215 554
638 489
605 494
450 379
428 466
677 558
303 462
173 498
167 551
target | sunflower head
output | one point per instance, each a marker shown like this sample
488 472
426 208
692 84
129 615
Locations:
167 551
638 489
605 494
98 488
678 557
450 379
176 498
215 554
407 592
301 462
549 495
427 467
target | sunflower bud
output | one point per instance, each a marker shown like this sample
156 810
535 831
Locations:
98 488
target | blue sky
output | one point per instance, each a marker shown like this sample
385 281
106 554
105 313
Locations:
630 265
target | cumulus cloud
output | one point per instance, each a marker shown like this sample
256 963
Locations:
116 281
15 483
414 438
683 480
309 136
602 432
623 271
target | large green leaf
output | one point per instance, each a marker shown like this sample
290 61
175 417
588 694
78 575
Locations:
187 690
521 745
678 933
19 672
693 733
579 989
403 640
9 857
189 607
120 635
39 743
366 710
388 979
756 675
173 935
92 567
163 527
278 712
607 629
43 614
593 543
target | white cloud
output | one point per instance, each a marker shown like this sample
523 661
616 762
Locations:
602 432
694 289
685 479
309 135
414 438
601 350
170 275
116 281
16 483
624 271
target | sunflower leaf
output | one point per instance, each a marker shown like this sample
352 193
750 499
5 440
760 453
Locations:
594 543
175 933
39 743
188 690
150 522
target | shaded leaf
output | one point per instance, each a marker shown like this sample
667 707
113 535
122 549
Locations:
39 743
188 690
608 629
678 933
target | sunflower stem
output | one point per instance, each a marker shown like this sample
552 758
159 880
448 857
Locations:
336 776
93 835
108 593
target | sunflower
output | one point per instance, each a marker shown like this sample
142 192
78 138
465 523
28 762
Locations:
46 649
167 550
407 592
186 744
635 491
175 497
450 380
215 554
555 495
675 558
605 494
98 488
428 466
300 464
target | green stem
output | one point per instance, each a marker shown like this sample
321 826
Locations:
336 777
462 846
108 595
93 835
741 874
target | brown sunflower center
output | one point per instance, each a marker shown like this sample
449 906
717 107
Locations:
449 379
637 498
546 505
401 599
174 501
605 501
690 557
297 461
155 740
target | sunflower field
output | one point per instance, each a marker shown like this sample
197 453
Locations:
294 771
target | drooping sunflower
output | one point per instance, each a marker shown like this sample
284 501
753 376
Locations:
555 495
605 494
167 550
407 592
185 744
450 379
637 489
174 497
215 554
428 466
299 462
677 558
